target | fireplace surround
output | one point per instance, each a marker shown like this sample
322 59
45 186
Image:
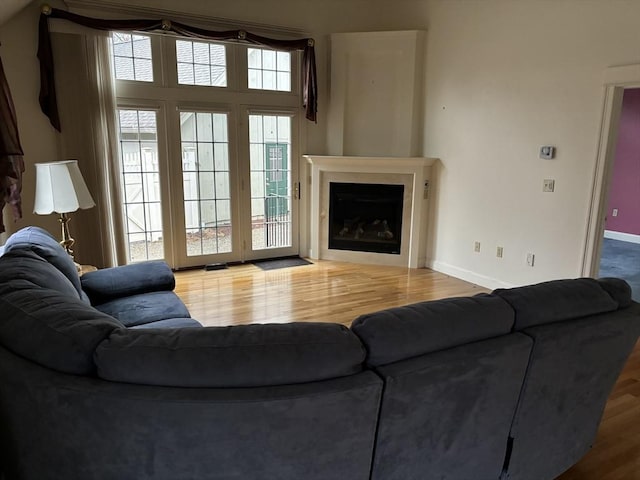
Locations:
411 173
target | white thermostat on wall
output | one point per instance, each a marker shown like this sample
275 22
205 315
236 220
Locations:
547 152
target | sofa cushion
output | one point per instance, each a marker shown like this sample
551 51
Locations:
572 370
171 323
618 289
145 308
557 301
109 284
237 356
52 329
404 332
449 413
34 270
46 246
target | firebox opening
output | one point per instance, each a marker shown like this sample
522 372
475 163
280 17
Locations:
365 217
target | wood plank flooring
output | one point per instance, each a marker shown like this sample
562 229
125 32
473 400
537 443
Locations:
339 292
322 292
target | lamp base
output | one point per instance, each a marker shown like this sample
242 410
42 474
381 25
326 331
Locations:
66 242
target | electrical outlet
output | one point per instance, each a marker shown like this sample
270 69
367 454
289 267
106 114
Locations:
614 213
476 247
499 251
531 258
548 185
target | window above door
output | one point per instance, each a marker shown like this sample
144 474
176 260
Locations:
169 61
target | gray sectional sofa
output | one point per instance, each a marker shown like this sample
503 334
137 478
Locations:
101 379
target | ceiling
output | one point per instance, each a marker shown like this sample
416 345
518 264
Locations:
8 8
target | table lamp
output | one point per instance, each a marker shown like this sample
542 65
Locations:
60 188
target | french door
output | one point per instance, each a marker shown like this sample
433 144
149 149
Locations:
215 189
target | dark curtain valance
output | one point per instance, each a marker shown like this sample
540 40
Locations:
48 102
11 162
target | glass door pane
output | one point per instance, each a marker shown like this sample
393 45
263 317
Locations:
271 184
138 137
206 183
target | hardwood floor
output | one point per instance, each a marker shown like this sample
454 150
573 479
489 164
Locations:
322 292
339 292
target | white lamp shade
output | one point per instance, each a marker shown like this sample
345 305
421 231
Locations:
60 188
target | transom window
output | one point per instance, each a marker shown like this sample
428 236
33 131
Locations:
201 63
132 57
269 69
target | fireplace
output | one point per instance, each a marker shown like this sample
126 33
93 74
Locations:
404 235
365 217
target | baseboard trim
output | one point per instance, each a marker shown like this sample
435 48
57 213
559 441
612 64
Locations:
625 237
467 275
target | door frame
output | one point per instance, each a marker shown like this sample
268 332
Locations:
166 95
615 81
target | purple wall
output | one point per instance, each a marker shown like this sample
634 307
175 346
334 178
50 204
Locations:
624 193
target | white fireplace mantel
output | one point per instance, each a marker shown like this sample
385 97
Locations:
412 172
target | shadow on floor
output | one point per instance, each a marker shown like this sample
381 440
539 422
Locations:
622 260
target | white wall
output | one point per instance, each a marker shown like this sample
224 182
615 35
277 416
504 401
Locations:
503 78
313 16
375 107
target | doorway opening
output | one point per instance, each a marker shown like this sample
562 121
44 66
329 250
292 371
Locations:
620 253
617 80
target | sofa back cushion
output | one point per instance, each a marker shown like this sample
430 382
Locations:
34 270
447 415
404 332
618 289
51 328
557 301
572 370
64 427
43 244
237 356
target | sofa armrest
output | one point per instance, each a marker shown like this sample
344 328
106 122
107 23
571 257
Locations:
110 283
